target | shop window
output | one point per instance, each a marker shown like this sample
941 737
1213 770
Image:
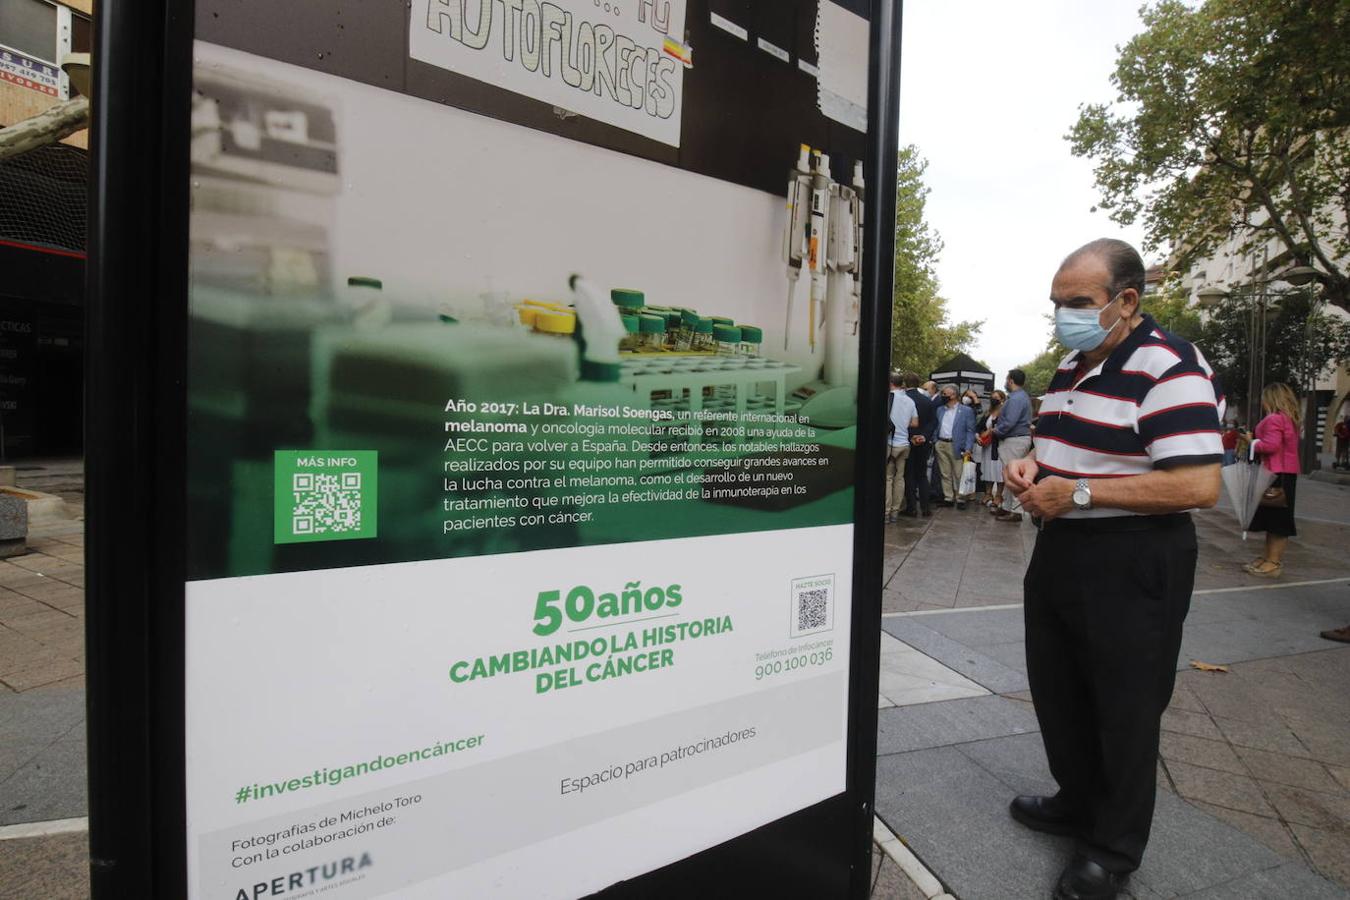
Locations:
81 34
29 26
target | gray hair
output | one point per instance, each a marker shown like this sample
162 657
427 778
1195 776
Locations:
1123 262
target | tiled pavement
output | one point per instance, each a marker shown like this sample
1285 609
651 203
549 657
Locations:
42 741
42 610
1255 798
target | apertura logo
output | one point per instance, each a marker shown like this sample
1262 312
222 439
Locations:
291 882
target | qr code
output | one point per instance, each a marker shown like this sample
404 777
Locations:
812 605
325 504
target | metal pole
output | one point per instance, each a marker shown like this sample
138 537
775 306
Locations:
135 428
1310 448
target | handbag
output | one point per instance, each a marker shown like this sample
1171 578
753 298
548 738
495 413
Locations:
1274 496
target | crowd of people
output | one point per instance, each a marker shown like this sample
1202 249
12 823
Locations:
947 447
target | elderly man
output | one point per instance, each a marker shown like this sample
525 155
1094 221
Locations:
955 437
1126 444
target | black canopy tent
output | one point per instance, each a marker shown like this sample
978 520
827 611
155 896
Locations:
966 374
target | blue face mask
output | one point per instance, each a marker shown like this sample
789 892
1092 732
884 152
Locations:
1081 329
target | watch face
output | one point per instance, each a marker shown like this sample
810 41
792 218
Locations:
1081 497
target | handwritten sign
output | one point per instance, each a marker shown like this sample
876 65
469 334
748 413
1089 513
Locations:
605 60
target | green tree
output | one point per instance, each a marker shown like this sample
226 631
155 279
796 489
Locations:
1041 369
922 336
1301 343
1171 308
1232 117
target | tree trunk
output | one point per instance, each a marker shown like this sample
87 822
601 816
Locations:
47 127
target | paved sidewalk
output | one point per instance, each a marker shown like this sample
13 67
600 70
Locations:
1255 763
42 740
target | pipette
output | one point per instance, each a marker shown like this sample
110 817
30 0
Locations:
795 231
855 310
819 227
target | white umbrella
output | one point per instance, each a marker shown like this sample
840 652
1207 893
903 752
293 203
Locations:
1245 483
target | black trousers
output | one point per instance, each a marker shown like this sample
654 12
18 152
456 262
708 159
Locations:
916 477
1105 602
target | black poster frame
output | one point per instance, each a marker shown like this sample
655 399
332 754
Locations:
136 509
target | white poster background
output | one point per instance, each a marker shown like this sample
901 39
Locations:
606 61
292 672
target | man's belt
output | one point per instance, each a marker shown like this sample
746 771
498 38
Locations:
1114 524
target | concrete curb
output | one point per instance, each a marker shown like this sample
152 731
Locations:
43 829
914 870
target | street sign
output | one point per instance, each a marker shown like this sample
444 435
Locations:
471 513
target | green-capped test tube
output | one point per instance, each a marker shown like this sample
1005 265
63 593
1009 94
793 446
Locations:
673 319
632 338
653 332
728 339
684 339
703 336
630 302
752 338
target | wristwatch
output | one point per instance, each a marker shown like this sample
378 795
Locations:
1082 495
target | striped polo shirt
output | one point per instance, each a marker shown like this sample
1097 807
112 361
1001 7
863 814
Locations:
1152 404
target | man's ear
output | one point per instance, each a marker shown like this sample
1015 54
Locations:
1129 302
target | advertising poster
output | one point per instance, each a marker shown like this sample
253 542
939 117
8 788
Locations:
522 377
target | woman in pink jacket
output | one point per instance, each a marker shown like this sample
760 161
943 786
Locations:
1277 445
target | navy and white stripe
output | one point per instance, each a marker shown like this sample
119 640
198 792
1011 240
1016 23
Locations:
1153 403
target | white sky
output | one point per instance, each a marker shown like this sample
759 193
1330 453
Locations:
988 89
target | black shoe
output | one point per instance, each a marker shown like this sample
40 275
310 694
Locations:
1045 814
1083 879
944 503
927 511
910 514
960 504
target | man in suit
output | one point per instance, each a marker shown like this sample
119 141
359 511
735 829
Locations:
920 447
955 437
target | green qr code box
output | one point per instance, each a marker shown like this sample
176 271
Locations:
325 495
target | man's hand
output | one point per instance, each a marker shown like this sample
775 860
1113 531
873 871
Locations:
1051 498
1021 474
918 439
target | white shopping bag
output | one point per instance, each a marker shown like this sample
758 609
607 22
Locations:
967 479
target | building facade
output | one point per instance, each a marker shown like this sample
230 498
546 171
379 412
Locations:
43 202
1236 267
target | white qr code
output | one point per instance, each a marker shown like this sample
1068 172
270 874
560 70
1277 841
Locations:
325 503
812 605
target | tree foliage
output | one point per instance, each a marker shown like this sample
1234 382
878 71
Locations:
1301 342
1232 119
922 337
1041 369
